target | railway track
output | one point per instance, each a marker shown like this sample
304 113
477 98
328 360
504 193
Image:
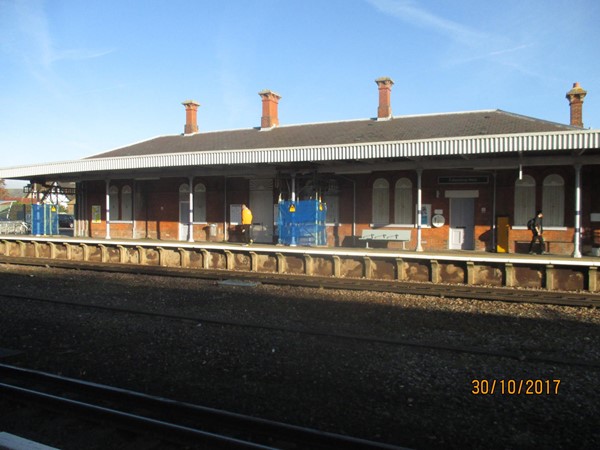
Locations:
449 291
167 420
422 345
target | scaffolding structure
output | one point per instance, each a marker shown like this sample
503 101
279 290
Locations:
302 222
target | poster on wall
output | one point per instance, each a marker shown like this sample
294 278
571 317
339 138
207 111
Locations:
96 213
425 214
235 214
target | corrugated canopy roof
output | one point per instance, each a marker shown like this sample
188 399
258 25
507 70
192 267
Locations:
487 134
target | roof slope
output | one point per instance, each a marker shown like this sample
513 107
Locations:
405 128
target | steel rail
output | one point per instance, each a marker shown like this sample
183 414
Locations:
255 429
317 333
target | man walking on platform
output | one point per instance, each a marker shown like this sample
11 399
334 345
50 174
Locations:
536 226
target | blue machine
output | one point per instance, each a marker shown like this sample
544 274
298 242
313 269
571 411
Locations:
302 222
44 220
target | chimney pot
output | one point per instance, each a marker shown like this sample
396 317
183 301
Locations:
270 114
191 121
384 111
575 97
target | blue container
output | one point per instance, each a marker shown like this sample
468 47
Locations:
44 220
302 223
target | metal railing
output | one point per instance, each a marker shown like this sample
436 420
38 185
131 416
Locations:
14 227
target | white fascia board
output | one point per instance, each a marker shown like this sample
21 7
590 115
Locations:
456 146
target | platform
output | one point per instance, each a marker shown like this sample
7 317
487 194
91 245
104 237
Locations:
553 272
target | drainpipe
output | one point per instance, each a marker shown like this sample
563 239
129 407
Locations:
577 236
107 209
353 208
419 212
191 212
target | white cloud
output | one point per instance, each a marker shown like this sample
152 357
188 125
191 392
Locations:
31 39
409 11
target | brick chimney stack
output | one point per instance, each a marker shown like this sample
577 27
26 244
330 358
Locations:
384 111
575 97
270 114
191 121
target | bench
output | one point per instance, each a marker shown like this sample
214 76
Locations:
386 235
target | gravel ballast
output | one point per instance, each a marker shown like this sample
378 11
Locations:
401 393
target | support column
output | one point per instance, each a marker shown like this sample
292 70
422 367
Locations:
122 254
280 262
368 266
435 271
592 279
229 260
336 266
253 261
68 251
86 252
400 275
470 273
205 260
191 212
308 264
184 257
419 213
22 248
142 254
577 235
509 275
293 242
103 253
107 209
549 277
225 230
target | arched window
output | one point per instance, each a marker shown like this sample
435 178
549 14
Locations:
126 203
184 193
113 202
524 200
553 201
381 202
200 203
403 206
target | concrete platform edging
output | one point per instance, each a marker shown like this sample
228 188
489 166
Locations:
543 272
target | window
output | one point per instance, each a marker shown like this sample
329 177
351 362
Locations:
113 202
403 202
524 200
200 203
184 193
381 202
332 202
553 201
126 203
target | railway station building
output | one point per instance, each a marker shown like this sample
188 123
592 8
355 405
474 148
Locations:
451 181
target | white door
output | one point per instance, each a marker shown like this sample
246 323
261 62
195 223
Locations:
184 221
261 205
462 223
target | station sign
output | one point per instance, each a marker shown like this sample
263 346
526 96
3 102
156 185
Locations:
471 179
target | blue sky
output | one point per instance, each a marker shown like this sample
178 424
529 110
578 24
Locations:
82 77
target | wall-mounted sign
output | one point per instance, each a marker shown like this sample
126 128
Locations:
425 214
438 221
473 179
